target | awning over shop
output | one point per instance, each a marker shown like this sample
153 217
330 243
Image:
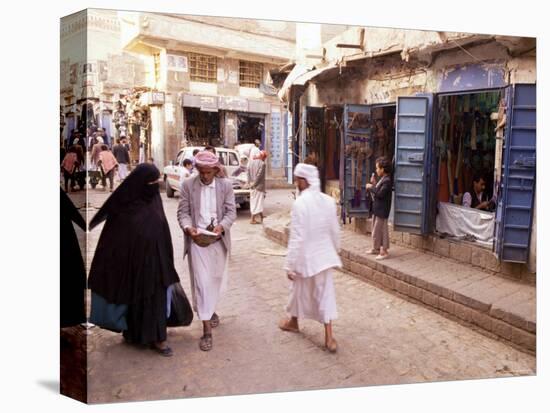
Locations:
296 72
300 75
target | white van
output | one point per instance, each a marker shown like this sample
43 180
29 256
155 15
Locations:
229 158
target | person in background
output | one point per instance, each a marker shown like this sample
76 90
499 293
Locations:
108 164
476 197
69 167
122 156
255 150
382 193
187 170
256 179
312 254
103 135
150 161
94 155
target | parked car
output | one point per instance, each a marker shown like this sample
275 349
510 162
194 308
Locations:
173 173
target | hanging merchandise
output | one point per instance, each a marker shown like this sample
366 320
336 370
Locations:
466 103
473 134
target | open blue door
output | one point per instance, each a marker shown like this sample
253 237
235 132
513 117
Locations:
515 208
413 135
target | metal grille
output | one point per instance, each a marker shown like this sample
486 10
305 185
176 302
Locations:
202 68
250 74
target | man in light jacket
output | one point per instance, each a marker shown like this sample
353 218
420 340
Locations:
207 203
312 253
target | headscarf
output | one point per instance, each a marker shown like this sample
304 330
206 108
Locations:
99 139
134 189
261 155
207 158
310 173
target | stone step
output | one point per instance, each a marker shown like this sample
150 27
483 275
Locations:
500 306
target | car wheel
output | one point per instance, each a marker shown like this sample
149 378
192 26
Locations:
169 190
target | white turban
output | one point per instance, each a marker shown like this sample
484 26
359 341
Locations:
100 139
310 173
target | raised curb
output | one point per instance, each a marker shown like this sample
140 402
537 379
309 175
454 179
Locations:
503 307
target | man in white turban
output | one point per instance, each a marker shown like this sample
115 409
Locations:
312 253
207 203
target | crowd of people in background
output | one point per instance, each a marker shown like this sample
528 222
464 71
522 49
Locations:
94 155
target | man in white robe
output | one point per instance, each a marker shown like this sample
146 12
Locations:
207 203
256 180
312 253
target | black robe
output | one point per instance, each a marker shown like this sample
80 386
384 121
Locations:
73 272
134 260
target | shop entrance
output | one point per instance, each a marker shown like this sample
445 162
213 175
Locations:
489 132
250 128
202 127
368 133
467 150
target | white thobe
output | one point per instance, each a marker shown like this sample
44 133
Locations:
312 253
207 265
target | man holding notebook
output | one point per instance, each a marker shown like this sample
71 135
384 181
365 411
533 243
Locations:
206 212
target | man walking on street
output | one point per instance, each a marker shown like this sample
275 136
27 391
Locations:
123 158
207 203
256 179
312 253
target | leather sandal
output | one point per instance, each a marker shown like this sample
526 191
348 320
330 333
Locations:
205 343
163 351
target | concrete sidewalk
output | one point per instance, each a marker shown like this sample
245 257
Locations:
499 306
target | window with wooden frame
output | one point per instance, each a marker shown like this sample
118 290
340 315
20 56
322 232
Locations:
250 74
202 68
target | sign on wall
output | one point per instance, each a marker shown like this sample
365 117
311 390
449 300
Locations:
177 63
276 148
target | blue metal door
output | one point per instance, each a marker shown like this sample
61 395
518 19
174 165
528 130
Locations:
515 208
412 164
357 159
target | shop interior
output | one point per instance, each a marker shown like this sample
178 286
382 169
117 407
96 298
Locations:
466 145
250 128
333 121
370 134
202 127
383 134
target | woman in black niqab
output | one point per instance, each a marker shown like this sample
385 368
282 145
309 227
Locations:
134 261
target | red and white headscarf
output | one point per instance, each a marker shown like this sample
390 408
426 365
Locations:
261 155
207 158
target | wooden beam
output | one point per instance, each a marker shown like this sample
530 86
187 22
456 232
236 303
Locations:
349 46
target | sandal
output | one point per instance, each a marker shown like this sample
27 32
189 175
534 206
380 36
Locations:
374 251
381 257
332 347
214 320
284 325
163 351
205 343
